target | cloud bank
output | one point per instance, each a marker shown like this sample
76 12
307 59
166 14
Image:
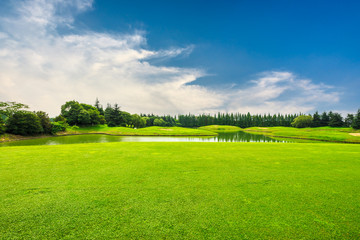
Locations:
44 67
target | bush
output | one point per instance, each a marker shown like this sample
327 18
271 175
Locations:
2 125
24 123
302 121
58 127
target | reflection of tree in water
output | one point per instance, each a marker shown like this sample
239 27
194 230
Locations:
244 137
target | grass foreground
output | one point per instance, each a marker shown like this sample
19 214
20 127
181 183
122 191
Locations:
180 190
147 131
345 135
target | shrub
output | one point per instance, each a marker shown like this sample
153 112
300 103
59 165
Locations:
24 123
58 127
2 125
302 121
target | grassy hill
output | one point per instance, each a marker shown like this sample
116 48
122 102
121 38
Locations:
148 131
321 133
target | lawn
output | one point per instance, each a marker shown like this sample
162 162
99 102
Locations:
180 190
220 128
148 131
321 133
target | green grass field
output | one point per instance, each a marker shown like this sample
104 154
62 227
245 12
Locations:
148 131
321 133
220 128
180 190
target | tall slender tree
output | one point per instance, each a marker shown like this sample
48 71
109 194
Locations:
356 122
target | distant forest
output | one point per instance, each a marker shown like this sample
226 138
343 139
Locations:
16 120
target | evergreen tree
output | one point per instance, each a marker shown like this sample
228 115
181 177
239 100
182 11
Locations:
349 120
336 120
2 125
45 121
316 120
99 107
109 116
324 119
356 122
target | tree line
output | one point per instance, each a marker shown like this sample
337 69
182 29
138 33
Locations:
15 119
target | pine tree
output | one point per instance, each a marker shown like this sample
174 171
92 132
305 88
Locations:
316 120
356 122
324 119
99 107
336 120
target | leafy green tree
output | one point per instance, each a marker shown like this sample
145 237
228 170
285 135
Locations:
71 110
137 121
60 118
24 123
159 122
45 121
316 120
84 118
336 120
9 108
302 121
80 114
356 122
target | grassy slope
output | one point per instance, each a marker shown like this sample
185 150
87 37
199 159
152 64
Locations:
321 133
220 128
148 131
180 190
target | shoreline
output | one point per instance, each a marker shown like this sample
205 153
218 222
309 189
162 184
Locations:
22 138
299 138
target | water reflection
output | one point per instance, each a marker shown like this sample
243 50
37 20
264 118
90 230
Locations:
100 138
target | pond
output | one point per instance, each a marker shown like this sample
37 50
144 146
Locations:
100 138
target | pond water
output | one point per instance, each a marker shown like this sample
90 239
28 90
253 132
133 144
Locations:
100 138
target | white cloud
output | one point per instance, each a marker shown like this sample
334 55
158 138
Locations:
283 92
43 68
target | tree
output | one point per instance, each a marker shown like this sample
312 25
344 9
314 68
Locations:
99 107
302 121
60 118
336 120
356 122
24 123
159 122
83 118
324 119
45 121
349 120
137 121
9 108
71 110
2 125
80 114
316 120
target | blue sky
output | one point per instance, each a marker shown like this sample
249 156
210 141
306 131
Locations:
186 56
